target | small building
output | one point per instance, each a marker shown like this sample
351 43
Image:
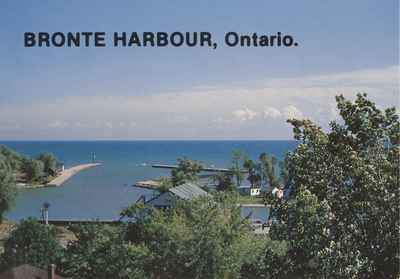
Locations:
187 191
58 169
253 191
27 271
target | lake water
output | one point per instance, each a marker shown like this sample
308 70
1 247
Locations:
102 192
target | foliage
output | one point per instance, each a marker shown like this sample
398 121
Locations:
342 214
264 172
238 159
49 163
205 238
10 158
25 169
223 182
7 190
33 170
267 261
268 170
187 171
165 184
32 243
101 252
254 176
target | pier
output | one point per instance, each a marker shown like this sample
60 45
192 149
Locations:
68 173
148 184
208 169
68 222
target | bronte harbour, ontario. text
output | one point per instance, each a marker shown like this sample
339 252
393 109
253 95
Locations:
155 39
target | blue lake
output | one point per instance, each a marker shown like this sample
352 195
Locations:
102 192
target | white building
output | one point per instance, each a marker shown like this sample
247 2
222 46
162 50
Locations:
249 190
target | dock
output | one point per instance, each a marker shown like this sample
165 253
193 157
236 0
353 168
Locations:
148 184
207 169
70 172
68 222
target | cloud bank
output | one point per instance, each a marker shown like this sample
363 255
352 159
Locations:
254 111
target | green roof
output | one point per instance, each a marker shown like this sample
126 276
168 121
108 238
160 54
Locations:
188 191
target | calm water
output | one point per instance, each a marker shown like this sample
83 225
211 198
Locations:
103 191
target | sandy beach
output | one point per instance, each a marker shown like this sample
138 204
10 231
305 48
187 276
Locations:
68 173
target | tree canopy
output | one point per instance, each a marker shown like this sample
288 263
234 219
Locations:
187 171
32 243
342 214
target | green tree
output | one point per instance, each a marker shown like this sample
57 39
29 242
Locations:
342 216
268 170
32 243
7 189
223 181
187 171
238 159
11 158
49 163
204 238
33 170
101 252
254 176
165 184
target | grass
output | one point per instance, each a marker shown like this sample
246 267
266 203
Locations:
250 199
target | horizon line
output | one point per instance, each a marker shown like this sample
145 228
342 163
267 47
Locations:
133 140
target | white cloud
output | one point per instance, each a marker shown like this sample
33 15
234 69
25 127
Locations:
206 112
244 114
108 124
271 112
291 111
58 124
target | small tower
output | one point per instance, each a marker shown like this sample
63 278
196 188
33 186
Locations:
45 212
93 157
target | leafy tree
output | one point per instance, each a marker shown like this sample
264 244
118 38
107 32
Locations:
165 184
254 176
9 163
11 158
268 260
238 160
33 170
187 171
204 238
7 190
49 163
223 181
32 243
101 252
268 170
342 216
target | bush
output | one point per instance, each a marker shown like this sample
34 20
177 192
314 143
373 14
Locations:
32 243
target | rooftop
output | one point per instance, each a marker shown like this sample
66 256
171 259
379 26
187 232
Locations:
188 191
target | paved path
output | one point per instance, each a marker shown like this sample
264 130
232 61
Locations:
68 173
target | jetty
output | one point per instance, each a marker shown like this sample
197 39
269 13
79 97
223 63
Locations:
68 222
207 169
148 184
70 172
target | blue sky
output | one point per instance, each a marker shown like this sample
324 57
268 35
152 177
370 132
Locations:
139 93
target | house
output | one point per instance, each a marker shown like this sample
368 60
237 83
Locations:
187 191
27 271
253 191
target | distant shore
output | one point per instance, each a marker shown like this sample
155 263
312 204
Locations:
62 177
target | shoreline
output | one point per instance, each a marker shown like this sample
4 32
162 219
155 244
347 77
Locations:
62 177
68 173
